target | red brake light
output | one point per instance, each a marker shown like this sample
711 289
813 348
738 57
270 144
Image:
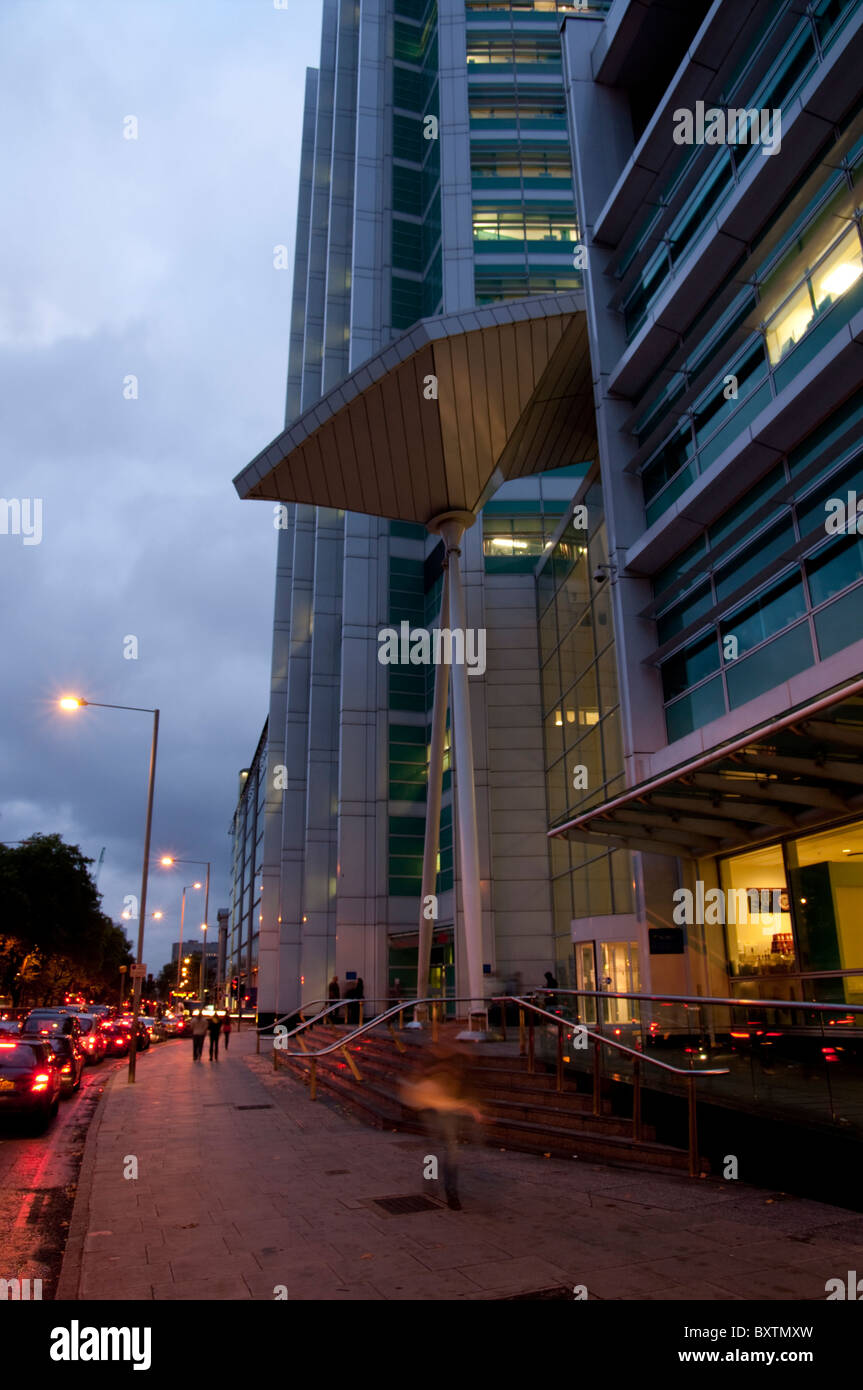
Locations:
40 1081
7 1047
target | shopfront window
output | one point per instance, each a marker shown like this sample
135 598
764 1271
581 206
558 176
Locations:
825 876
756 908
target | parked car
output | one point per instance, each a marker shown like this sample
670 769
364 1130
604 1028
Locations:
10 1026
70 1059
92 1038
29 1080
106 1012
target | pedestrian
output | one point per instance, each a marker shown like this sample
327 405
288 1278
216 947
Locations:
199 1028
356 993
441 1094
214 1026
226 1030
334 992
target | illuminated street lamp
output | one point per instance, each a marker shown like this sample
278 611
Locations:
182 915
74 702
168 861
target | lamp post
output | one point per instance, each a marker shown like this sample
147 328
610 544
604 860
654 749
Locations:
203 964
71 702
167 862
124 969
182 915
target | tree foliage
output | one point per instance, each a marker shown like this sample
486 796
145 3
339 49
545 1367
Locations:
54 936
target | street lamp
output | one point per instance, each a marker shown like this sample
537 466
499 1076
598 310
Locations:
168 861
203 963
74 702
182 916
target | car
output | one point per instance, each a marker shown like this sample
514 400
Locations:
47 1021
116 1037
106 1012
29 1080
70 1058
143 1036
92 1039
10 1026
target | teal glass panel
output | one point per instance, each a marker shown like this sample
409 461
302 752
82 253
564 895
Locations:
729 432
671 493
689 666
749 563
840 624
749 503
668 461
695 710
709 412
772 664
834 568
773 610
700 205
664 578
684 613
812 514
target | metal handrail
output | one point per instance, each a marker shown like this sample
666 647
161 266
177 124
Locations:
706 999
690 1077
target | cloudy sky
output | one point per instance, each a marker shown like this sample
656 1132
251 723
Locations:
153 258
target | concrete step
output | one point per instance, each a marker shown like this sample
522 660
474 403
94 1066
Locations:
564 1118
533 1138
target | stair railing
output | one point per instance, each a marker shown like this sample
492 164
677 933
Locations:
534 1011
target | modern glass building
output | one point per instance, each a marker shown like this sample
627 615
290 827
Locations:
725 297
638 364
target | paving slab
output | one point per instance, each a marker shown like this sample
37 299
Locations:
232 1203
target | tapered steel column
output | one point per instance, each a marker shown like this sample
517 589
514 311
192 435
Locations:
435 791
451 527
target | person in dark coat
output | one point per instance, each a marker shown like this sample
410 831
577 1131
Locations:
550 983
355 994
334 992
214 1028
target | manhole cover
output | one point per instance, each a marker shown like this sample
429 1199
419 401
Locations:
253 1107
403 1206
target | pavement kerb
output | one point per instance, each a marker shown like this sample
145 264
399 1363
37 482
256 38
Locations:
69 1282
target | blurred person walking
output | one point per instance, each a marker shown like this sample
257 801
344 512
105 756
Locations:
199 1028
214 1027
355 993
440 1093
226 1030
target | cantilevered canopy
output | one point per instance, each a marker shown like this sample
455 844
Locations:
785 777
514 397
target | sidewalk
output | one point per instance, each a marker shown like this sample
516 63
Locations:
244 1185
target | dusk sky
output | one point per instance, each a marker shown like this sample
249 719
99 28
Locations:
153 258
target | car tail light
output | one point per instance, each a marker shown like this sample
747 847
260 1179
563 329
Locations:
66 1067
8 1047
40 1081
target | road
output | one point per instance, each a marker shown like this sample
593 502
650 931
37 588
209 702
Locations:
38 1179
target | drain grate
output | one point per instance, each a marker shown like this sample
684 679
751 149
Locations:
336 1172
404 1206
253 1107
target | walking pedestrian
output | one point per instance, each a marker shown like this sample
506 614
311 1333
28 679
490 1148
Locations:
199 1028
214 1027
334 992
355 994
226 1030
442 1096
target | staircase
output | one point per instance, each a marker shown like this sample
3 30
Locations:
520 1110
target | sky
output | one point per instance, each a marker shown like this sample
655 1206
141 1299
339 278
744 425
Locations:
143 357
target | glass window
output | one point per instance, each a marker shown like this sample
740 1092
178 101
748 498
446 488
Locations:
825 873
769 613
687 611
759 943
689 666
839 624
835 567
747 564
695 710
771 664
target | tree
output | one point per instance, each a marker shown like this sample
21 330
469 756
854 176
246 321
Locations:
56 936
